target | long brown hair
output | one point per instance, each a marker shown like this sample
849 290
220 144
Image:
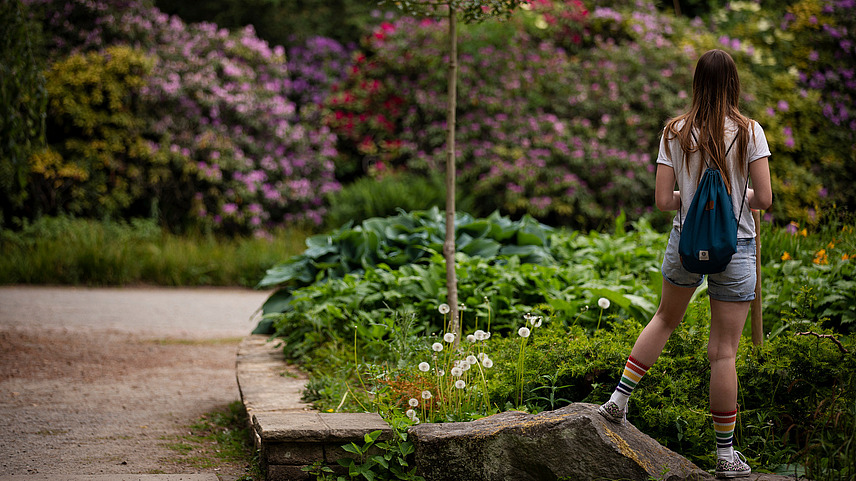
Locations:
716 93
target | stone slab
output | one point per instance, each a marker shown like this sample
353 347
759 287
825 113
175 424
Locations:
299 454
266 382
278 427
353 426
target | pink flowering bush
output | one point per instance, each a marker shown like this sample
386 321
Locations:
539 132
218 106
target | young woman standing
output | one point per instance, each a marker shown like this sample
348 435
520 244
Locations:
707 131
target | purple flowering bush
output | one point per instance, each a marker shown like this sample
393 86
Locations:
568 139
220 108
798 64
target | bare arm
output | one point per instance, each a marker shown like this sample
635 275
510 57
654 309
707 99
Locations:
665 196
760 196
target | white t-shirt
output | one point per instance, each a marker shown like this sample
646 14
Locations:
687 175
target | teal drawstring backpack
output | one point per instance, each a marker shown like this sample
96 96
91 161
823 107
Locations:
709 233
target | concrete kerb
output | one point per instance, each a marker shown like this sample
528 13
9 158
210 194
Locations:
288 433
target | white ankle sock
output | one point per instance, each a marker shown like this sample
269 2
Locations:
620 399
725 453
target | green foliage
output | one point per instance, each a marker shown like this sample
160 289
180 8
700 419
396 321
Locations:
798 267
362 336
375 460
405 240
23 100
368 197
71 251
468 10
567 278
98 163
283 23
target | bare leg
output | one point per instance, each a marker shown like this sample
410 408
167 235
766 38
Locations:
670 313
726 327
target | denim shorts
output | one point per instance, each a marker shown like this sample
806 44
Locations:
735 284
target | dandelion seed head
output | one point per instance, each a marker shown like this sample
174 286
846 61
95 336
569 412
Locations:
603 303
424 366
413 402
444 308
460 384
437 347
456 371
426 395
410 413
472 359
449 337
487 362
471 338
482 356
480 335
523 332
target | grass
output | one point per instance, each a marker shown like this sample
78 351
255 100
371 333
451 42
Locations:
69 251
219 440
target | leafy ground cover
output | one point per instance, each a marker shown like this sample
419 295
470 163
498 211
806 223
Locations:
541 335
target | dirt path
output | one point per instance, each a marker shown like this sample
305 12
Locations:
102 381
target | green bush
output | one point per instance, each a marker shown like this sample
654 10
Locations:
369 197
783 384
97 163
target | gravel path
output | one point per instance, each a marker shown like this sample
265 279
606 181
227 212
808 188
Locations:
101 381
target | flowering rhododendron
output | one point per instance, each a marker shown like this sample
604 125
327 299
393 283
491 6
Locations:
220 108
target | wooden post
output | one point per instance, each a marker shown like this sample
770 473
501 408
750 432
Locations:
757 321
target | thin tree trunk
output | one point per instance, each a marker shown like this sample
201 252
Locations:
449 244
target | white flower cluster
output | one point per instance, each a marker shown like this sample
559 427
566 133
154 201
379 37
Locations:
531 320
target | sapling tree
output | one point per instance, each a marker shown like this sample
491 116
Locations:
470 11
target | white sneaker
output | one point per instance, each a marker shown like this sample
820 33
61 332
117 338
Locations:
613 412
738 468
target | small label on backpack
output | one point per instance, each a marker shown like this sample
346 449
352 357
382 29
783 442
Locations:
703 256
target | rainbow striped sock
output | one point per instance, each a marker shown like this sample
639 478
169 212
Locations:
633 372
723 426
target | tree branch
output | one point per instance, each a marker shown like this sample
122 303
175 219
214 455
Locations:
826 336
